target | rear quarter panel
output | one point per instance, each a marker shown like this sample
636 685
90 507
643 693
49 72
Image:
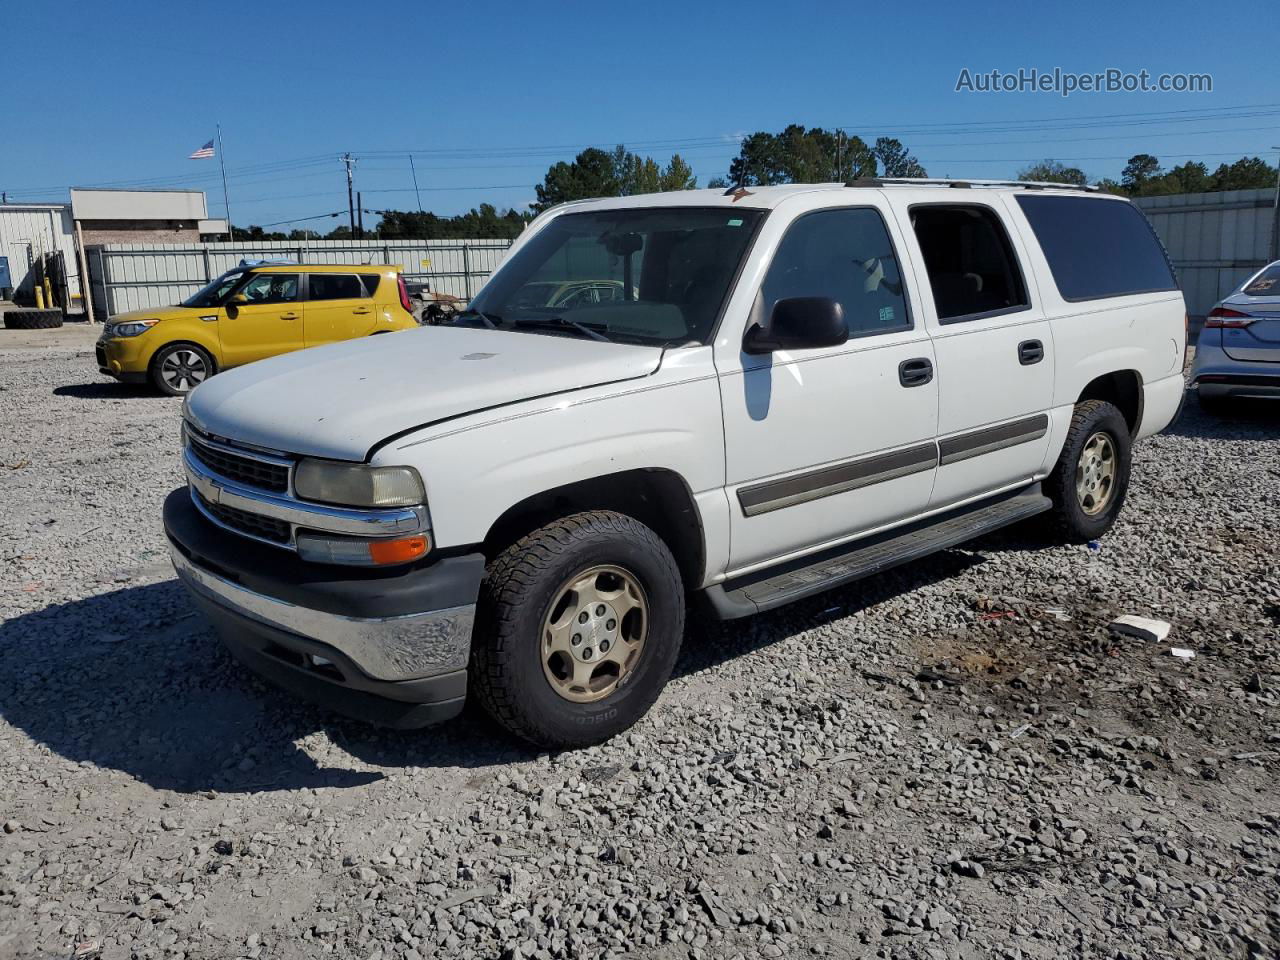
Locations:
1143 332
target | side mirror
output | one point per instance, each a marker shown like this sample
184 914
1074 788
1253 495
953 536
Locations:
799 323
239 298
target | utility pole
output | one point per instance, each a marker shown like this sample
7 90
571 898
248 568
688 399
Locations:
360 215
839 154
414 171
351 205
1275 215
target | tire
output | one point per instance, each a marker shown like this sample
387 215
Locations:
33 319
1077 519
172 361
529 585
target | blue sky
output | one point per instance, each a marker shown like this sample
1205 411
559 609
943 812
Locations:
487 95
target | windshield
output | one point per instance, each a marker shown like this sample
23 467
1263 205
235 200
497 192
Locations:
651 275
216 292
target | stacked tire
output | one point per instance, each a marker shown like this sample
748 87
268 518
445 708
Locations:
32 319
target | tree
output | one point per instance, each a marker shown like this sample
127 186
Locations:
484 222
593 173
800 155
678 175
619 173
1247 173
894 159
1140 168
1054 171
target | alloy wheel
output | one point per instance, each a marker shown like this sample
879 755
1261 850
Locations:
182 370
594 633
1096 473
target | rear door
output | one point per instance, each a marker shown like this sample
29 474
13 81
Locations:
338 307
262 319
993 344
824 444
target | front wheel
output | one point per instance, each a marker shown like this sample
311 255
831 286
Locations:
1089 482
578 629
179 368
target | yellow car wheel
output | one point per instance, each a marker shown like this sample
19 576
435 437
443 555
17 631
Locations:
179 368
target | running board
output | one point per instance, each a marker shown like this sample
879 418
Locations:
776 586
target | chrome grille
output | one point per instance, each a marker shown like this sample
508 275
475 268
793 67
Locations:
242 469
253 524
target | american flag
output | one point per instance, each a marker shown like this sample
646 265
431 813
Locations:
205 151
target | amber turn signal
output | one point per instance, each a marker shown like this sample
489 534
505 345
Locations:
398 551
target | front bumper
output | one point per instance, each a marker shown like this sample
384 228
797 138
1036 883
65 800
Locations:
389 647
124 358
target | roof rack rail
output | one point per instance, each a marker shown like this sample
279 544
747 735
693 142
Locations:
967 184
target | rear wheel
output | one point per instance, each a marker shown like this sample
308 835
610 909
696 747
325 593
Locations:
579 626
1089 483
179 368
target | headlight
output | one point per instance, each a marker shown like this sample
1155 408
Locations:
357 484
130 328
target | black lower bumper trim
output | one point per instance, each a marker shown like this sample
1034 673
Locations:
285 660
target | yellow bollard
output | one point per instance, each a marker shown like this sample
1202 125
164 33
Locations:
48 293
39 288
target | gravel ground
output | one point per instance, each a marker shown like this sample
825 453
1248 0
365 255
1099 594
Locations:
933 764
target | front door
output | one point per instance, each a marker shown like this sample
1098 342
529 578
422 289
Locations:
263 318
338 308
824 444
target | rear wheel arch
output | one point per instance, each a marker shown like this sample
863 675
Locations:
658 498
1123 390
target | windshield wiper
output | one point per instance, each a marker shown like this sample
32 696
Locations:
560 323
490 322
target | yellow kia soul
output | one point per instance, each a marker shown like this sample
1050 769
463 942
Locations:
249 313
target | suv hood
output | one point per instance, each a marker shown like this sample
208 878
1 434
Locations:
341 400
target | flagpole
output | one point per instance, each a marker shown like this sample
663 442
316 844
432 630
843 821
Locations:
226 201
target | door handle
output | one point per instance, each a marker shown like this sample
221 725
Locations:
916 372
362 310
1030 351
288 316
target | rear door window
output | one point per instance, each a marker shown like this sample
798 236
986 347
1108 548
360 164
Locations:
845 255
370 281
1097 247
334 286
972 268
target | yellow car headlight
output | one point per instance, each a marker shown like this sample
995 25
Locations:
130 328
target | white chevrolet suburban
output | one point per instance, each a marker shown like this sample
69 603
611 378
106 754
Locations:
753 395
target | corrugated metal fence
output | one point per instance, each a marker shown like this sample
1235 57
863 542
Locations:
131 276
1215 240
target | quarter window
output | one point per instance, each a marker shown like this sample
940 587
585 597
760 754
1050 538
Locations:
270 288
845 255
972 268
334 286
1097 247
